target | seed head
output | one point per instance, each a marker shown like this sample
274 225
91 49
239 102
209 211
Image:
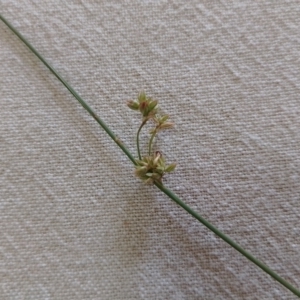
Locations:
145 105
161 123
152 168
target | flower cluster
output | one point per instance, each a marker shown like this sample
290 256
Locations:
152 168
145 105
161 122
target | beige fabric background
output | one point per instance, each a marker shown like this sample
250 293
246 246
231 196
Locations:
74 221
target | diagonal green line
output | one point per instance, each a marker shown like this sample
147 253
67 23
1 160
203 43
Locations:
168 192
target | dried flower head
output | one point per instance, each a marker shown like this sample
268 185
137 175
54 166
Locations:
152 168
161 122
145 105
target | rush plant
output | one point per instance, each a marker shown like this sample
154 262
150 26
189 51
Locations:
151 168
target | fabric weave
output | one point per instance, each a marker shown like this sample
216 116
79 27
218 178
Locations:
75 222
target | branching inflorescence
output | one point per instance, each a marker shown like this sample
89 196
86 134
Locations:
151 168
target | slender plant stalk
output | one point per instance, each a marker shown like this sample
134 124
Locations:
151 140
138 139
160 186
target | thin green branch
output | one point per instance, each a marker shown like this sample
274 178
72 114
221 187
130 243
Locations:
227 239
160 186
72 91
151 140
138 139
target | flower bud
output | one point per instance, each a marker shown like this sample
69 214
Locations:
141 171
157 157
152 105
133 105
166 125
170 168
142 97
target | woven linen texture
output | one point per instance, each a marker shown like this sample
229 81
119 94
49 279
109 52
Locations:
74 221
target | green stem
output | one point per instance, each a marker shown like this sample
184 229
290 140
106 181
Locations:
160 186
228 240
138 138
151 140
72 91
